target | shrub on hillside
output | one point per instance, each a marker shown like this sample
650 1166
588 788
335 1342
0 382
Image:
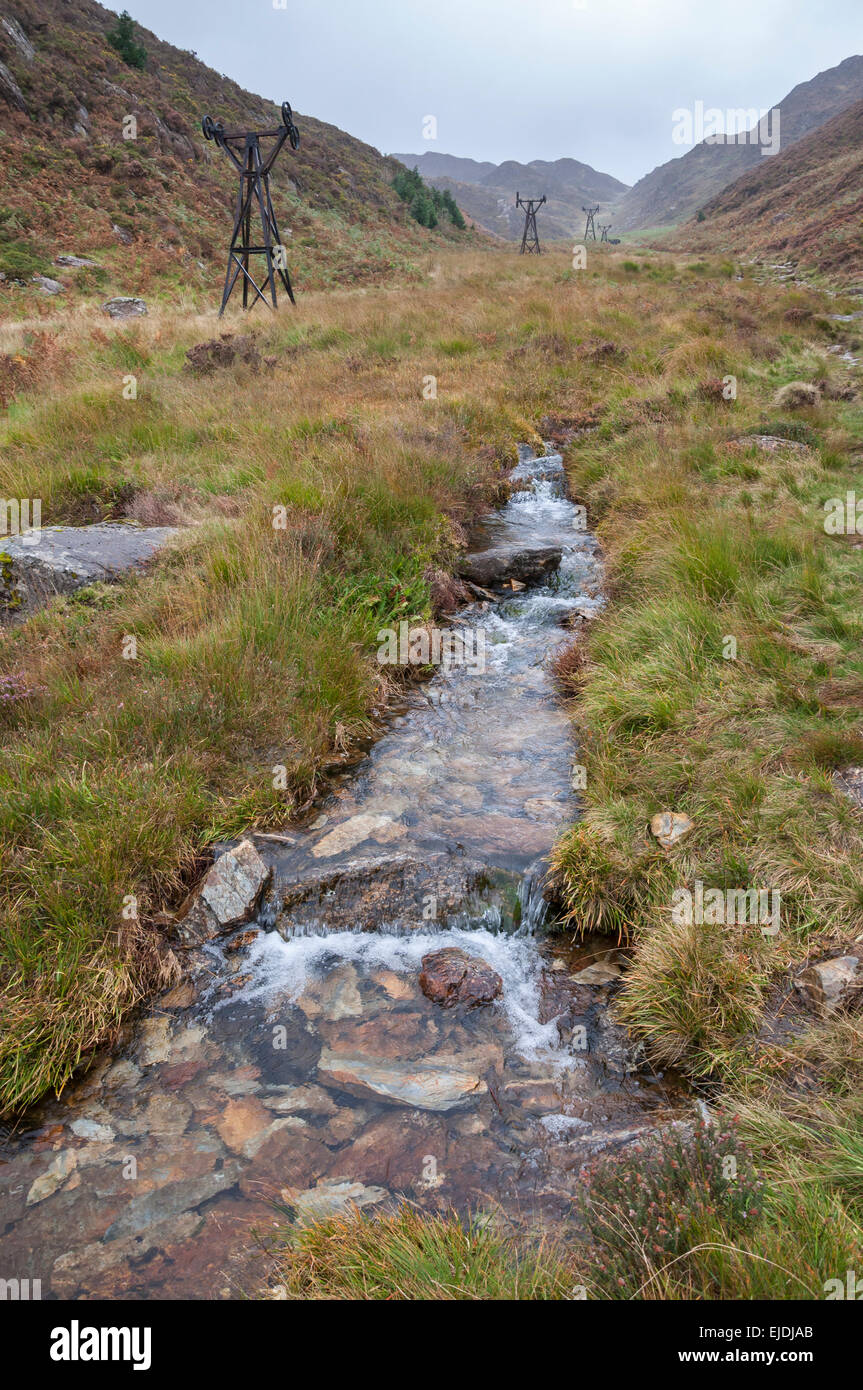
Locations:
652 1205
122 40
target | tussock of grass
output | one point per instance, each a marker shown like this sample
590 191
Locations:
415 1257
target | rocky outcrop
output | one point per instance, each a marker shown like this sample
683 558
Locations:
451 977
526 565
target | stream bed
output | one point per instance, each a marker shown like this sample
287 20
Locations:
298 1068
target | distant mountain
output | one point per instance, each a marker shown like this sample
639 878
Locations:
806 204
676 190
486 192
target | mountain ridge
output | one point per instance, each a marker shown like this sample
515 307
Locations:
486 191
675 190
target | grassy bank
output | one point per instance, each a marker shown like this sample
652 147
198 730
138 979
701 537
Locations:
255 648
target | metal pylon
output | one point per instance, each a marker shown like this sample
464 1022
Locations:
243 148
530 237
589 228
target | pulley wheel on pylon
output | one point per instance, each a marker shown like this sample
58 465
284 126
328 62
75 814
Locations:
288 123
208 126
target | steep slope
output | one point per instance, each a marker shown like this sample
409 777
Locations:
487 192
806 204
155 211
676 190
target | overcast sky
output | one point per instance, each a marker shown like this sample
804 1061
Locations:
514 79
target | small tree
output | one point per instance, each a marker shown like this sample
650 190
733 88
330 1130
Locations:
122 40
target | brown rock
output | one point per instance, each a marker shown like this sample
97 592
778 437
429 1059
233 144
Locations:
452 977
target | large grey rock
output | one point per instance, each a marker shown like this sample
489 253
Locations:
526 565
234 884
830 984
76 261
124 307
49 286
59 559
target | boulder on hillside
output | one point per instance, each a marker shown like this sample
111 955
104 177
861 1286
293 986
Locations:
124 307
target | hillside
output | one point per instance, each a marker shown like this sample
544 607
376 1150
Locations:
487 192
675 191
155 211
806 204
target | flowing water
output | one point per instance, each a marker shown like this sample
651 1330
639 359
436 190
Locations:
299 1068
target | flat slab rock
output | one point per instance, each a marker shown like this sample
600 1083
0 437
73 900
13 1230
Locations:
527 565
60 559
439 1082
451 977
124 307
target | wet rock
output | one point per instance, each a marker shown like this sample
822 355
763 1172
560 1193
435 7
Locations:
451 977
831 984
797 394
670 826
171 1201
124 306
368 891
246 1125
61 559
491 568
92 1130
436 1083
88 1262
224 351
349 834
305 1100
234 884
602 972
331 1197
153 1041
54 1176
334 997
